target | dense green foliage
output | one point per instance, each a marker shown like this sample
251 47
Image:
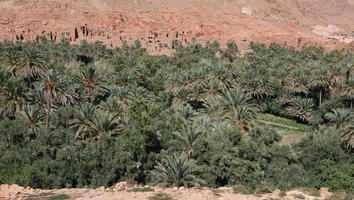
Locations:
84 115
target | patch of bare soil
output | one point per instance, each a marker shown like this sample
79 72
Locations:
123 191
290 137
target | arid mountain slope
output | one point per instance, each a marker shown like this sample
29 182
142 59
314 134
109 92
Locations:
158 22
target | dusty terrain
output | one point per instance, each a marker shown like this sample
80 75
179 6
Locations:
122 191
159 22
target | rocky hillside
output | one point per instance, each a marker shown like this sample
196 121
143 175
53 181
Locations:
159 22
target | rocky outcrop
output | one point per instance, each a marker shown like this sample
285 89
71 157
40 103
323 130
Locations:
15 192
157 23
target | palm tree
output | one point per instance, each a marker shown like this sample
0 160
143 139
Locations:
300 108
176 170
33 117
342 119
338 117
297 81
11 60
32 64
230 52
112 106
36 97
102 123
242 116
257 83
336 76
204 123
92 84
233 105
186 139
83 116
348 135
12 97
136 92
56 90
347 91
235 97
281 76
319 80
186 113
3 79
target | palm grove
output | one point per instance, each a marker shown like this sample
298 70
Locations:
85 115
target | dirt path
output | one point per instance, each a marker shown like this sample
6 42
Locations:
122 191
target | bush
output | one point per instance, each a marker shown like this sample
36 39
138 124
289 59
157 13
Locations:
319 150
55 160
32 176
336 176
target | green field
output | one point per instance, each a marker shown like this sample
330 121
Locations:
290 130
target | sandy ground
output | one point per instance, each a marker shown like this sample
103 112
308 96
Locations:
122 191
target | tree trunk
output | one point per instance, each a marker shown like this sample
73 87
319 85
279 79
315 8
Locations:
49 103
320 97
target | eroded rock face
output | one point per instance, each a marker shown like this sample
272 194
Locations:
159 22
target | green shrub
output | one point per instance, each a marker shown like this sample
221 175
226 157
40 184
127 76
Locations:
327 163
336 176
33 177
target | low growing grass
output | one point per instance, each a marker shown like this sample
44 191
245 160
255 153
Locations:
312 192
341 195
217 192
59 197
288 123
54 197
282 193
146 189
161 196
240 189
298 196
263 190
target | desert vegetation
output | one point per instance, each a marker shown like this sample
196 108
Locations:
89 116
